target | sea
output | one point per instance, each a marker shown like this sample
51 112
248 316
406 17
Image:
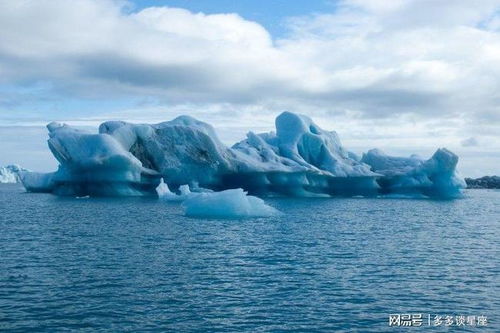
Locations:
324 265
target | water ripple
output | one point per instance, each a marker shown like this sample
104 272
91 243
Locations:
326 265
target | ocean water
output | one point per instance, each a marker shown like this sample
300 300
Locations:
326 265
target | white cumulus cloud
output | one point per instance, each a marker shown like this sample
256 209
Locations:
420 68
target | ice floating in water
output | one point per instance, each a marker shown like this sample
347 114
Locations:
414 177
164 192
184 189
11 173
299 159
162 189
227 204
234 203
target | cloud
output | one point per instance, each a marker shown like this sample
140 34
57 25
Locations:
179 55
470 142
157 51
372 67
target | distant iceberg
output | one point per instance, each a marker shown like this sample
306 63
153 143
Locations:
299 159
234 203
10 173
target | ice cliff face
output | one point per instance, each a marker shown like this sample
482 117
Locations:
10 173
299 159
183 151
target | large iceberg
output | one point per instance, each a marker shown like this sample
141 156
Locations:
11 173
299 159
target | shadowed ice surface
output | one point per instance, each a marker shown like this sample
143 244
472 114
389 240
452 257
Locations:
133 264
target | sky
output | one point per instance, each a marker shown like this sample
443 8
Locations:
405 76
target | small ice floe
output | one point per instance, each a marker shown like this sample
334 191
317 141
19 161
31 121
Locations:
234 203
164 192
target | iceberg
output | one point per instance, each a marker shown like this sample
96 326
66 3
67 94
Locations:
298 159
491 182
182 151
90 164
234 203
164 193
435 177
11 173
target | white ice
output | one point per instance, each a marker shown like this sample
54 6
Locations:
93 164
299 159
11 173
389 165
164 193
435 177
235 203
299 145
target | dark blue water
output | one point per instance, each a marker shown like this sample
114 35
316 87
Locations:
326 265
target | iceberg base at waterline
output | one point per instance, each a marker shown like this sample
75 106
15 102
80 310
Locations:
413 177
234 203
298 159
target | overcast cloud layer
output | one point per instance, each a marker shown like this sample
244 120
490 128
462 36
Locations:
410 75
